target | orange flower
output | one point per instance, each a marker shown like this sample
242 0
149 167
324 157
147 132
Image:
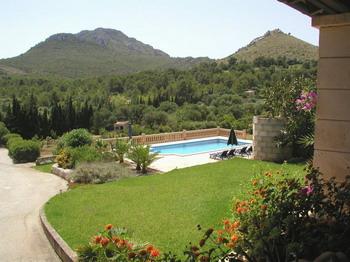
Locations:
241 210
236 224
263 207
115 239
122 243
104 241
234 238
226 222
149 248
254 182
220 239
220 232
268 174
155 252
252 201
97 239
108 227
129 246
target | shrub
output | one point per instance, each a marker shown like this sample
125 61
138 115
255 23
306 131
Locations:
11 136
23 150
99 172
69 157
75 138
3 131
64 159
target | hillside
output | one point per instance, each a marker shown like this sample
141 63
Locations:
92 53
276 43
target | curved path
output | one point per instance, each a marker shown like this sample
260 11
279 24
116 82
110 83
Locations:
23 191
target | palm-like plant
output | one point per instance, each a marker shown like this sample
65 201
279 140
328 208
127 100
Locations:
135 154
121 148
142 156
147 158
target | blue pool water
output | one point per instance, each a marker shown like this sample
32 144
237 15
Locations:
194 147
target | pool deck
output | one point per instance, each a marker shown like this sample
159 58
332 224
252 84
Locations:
166 163
169 162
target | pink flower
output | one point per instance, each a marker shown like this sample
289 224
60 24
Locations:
307 190
306 101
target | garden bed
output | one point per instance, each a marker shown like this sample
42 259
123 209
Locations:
162 209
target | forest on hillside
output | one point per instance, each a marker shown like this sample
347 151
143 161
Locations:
208 95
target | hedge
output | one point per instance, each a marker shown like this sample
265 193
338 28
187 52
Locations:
3 131
10 137
22 151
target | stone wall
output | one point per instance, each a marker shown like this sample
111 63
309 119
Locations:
264 145
45 160
61 172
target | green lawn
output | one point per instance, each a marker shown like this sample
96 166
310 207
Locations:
162 209
46 168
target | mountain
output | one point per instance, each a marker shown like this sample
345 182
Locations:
275 43
92 53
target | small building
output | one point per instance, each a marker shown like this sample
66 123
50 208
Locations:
250 92
121 125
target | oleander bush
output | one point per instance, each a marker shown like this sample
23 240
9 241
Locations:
3 131
69 157
75 138
22 151
99 172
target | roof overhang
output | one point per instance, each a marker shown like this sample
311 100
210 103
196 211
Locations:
319 7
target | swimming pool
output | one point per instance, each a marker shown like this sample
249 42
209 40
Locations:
195 146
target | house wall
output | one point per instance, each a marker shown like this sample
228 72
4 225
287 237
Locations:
332 134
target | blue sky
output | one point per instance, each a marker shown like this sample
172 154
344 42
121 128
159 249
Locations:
214 28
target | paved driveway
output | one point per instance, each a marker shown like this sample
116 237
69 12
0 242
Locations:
22 192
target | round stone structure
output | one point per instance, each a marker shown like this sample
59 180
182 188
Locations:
265 131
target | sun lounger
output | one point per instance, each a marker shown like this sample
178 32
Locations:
250 150
243 151
231 153
222 155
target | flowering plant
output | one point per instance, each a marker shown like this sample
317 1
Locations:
294 100
112 245
286 219
307 101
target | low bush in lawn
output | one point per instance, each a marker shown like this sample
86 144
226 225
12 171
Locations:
99 172
22 151
3 131
75 138
69 157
